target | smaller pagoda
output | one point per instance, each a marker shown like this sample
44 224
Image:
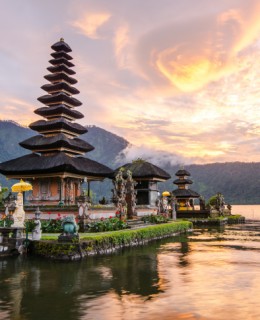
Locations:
184 196
147 176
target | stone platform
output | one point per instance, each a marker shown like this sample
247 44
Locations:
11 240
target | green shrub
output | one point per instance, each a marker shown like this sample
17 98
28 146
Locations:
236 219
156 218
47 226
51 226
6 222
127 236
212 201
98 243
110 224
29 224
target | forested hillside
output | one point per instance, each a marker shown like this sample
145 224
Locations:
10 136
107 147
239 182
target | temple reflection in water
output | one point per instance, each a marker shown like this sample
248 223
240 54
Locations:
168 279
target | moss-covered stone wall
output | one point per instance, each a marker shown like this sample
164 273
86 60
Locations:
107 242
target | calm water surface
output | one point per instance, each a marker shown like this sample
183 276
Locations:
209 274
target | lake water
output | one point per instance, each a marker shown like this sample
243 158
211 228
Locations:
209 274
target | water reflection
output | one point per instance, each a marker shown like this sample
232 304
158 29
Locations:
211 274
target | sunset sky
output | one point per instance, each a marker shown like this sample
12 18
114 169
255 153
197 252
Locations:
179 79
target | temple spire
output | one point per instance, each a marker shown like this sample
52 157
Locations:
59 132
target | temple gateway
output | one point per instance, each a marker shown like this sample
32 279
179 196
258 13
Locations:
56 167
147 176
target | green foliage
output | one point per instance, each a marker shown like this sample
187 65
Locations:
139 160
98 243
47 226
29 224
51 226
218 221
107 225
128 237
160 218
3 193
235 219
6 221
49 237
212 200
54 249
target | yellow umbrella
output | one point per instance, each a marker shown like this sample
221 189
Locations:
21 186
166 194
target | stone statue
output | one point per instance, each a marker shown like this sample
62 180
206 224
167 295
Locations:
119 194
165 205
37 231
70 230
68 192
19 214
69 225
83 216
130 195
220 203
158 204
173 208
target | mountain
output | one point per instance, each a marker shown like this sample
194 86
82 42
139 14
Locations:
107 147
238 181
11 134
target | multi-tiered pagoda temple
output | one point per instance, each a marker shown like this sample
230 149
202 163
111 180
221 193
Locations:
183 194
56 167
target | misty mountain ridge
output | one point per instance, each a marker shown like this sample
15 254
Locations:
238 181
107 145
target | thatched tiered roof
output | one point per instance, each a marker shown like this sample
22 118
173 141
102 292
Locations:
183 192
142 169
58 142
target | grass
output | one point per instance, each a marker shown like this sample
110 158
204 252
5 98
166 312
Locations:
146 231
104 242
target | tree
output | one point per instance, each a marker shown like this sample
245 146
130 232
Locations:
3 191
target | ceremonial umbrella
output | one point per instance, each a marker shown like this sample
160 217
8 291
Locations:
21 186
166 194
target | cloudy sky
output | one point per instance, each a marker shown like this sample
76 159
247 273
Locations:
179 78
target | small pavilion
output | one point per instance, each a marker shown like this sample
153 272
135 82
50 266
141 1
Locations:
184 196
56 167
147 176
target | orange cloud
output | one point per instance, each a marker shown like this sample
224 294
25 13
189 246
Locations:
187 74
90 23
121 41
208 48
14 109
